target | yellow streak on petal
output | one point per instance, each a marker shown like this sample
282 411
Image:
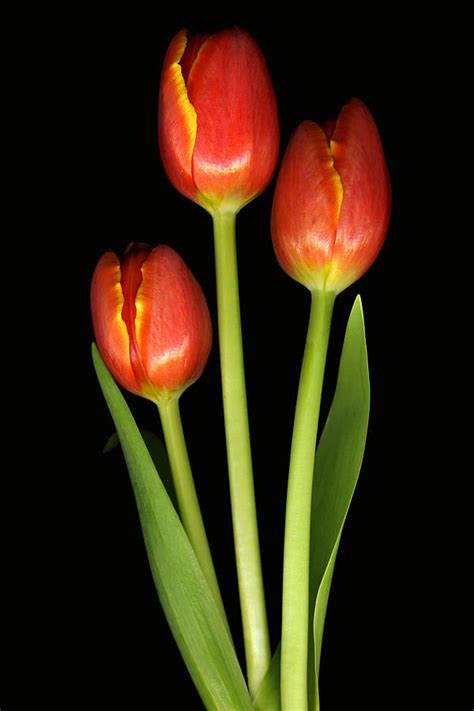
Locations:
188 111
119 322
140 303
336 177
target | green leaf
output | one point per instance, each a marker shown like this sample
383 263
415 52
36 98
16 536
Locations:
268 695
111 443
337 466
189 605
159 455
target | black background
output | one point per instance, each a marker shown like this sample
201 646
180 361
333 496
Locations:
91 632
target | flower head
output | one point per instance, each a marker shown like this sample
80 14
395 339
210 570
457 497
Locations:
151 320
218 123
332 200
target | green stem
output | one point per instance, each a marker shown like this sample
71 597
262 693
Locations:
186 494
244 515
295 621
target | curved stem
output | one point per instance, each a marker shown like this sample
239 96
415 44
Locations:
294 645
244 515
186 494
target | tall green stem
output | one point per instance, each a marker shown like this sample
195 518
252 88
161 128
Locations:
295 621
244 516
186 494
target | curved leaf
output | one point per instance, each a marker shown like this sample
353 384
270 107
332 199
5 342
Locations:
338 461
189 605
268 696
159 455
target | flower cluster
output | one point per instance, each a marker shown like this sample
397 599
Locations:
219 140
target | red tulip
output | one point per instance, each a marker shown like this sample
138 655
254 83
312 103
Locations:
218 122
332 201
151 320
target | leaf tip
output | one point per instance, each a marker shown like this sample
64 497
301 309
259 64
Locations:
357 305
111 443
95 353
356 317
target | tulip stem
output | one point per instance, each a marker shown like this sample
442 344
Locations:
244 514
295 620
188 503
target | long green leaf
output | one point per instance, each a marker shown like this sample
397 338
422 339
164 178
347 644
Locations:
188 603
159 455
338 462
268 694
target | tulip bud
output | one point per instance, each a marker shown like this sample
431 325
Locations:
332 201
151 320
218 123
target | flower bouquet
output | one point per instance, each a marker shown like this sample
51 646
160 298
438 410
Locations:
219 141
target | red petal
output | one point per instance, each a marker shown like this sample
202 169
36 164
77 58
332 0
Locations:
306 206
237 124
328 127
110 329
359 159
131 266
177 122
173 325
193 46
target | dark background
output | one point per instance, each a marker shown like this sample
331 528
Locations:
91 632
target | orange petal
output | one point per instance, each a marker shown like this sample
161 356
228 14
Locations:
359 160
110 329
177 121
306 206
173 326
190 54
237 137
131 280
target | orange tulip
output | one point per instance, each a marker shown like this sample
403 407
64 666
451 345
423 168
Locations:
332 200
218 123
151 320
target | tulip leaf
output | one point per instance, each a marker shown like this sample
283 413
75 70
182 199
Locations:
111 443
337 466
159 455
187 601
268 695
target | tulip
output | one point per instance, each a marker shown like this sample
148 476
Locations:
151 321
332 201
330 215
154 333
219 137
218 123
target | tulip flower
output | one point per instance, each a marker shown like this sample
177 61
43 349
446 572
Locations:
218 123
151 321
330 215
332 201
153 331
219 136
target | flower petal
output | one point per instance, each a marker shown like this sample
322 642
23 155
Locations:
109 327
190 54
177 121
306 206
173 326
237 124
359 160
